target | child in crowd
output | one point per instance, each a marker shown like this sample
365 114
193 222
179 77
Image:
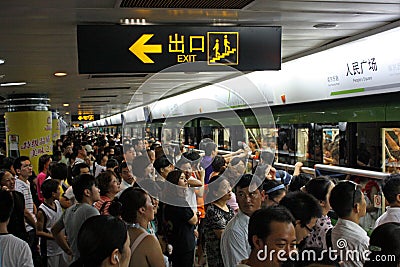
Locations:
48 214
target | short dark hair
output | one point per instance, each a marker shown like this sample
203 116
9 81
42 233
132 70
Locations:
303 206
76 169
298 181
319 187
341 198
108 231
43 160
218 163
59 171
111 163
246 179
18 162
385 241
173 176
192 156
260 221
139 165
161 162
6 205
82 182
391 188
132 199
48 187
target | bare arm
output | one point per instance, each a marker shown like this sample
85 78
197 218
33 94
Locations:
59 237
297 168
29 218
194 220
40 225
154 256
218 232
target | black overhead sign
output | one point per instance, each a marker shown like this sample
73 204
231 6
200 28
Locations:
85 117
148 49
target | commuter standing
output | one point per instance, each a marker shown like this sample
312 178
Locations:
234 245
86 193
48 214
266 226
23 168
10 244
391 190
348 201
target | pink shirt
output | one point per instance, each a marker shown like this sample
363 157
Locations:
40 179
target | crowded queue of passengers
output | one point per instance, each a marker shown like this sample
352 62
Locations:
103 201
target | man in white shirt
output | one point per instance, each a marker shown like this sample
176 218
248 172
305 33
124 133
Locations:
348 238
234 245
128 180
391 190
14 251
270 229
23 168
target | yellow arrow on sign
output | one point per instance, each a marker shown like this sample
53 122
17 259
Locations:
140 49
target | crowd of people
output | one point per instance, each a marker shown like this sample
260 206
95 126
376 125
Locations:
100 200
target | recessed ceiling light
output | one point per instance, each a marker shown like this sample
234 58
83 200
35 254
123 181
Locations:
12 84
325 25
67 113
2 61
128 21
60 74
66 105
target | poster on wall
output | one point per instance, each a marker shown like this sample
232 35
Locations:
32 138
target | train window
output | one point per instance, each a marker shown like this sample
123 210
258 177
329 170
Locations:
286 144
391 147
302 144
330 146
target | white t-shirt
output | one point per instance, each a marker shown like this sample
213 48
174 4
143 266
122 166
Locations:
14 252
52 216
391 215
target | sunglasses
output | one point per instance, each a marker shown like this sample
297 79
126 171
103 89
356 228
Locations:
354 191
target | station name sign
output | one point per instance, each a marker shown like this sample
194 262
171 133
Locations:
149 49
85 117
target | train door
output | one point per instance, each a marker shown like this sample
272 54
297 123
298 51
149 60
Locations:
333 140
390 150
302 141
286 144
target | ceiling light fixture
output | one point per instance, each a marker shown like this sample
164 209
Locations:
12 84
221 23
128 21
67 113
66 105
2 61
60 74
325 25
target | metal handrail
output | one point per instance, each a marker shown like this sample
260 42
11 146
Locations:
358 172
287 167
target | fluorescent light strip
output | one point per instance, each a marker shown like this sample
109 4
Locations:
12 84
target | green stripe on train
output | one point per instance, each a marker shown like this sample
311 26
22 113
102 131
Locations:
345 92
